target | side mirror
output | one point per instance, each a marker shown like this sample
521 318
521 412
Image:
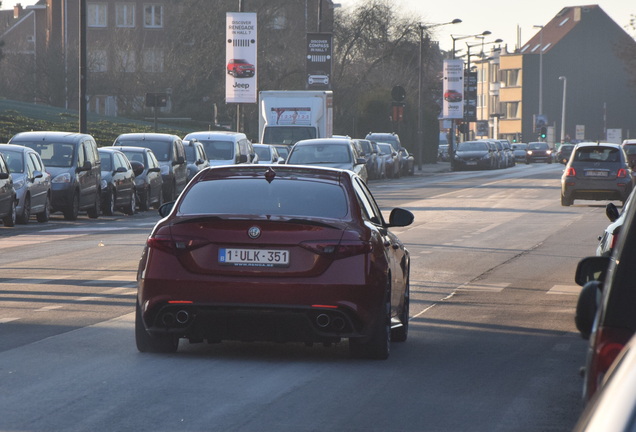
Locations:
121 169
86 167
242 159
138 167
37 174
4 175
611 212
155 169
180 161
166 208
400 217
361 161
586 307
591 269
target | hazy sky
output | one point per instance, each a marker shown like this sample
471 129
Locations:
501 17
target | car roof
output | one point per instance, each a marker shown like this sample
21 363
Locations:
595 144
323 141
146 136
16 147
214 134
49 136
109 150
133 149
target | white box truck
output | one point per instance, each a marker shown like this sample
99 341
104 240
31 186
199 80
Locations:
288 116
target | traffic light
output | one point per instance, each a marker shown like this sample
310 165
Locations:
544 132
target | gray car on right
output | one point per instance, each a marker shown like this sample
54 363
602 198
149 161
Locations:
596 171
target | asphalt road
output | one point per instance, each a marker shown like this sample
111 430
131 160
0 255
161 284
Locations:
492 343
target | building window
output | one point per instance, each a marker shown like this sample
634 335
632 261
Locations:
512 110
126 61
153 60
153 16
125 15
96 14
97 61
511 77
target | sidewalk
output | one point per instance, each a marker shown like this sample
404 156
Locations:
428 169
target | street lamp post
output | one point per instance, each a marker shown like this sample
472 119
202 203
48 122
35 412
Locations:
420 133
565 84
540 68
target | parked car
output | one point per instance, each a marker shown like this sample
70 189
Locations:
608 240
329 152
380 162
118 182
240 68
218 268
386 137
149 182
8 198
509 155
391 160
196 158
476 155
169 151
614 407
538 152
629 146
225 148
563 153
407 162
606 308
31 182
519 151
73 162
366 151
596 171
267 154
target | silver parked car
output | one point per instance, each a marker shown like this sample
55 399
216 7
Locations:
31 182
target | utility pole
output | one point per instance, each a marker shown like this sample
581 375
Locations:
83 128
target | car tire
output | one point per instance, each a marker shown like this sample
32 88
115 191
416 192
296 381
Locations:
95 209
10 218
129 209
25 216
159 202
70 213
45 214
378 345
109 203
400 334
152 343
144 200
566 202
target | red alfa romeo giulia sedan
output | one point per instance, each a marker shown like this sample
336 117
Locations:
277 253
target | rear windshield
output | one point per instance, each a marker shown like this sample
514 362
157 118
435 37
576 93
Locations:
288 135
263 153
597 154
281 197
472 146
319 153
161 149
630 149
218 150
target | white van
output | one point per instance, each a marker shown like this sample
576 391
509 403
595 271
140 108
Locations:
225 148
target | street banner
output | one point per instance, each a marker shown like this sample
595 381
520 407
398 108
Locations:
240 58
319 54
453 107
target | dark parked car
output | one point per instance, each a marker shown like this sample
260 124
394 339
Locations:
391 160
606 309
73 162
329 152
475 155
196 157
118 182
170 153
538 152
31 182
519 151
564 152
148 183
596 171
366 151
219 268
7 195
407 162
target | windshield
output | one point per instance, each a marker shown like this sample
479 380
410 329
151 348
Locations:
161 149
537 146
320 153
281 197
53 154
15 160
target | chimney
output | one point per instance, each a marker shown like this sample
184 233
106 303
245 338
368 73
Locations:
17 11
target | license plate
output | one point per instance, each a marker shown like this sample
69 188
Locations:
254 257
596 173
471 163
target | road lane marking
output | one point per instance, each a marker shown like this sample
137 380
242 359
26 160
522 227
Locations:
484 287
48 308
7 320
565 290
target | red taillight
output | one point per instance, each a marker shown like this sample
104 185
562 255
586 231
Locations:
570 172
338 250
174 245
622 173
607 353
608 343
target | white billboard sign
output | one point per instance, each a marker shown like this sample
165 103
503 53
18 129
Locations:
615 136
240 58
453 89
580 132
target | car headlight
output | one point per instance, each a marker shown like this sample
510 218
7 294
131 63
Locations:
165 170
62 178
18 184
549 152
529 152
